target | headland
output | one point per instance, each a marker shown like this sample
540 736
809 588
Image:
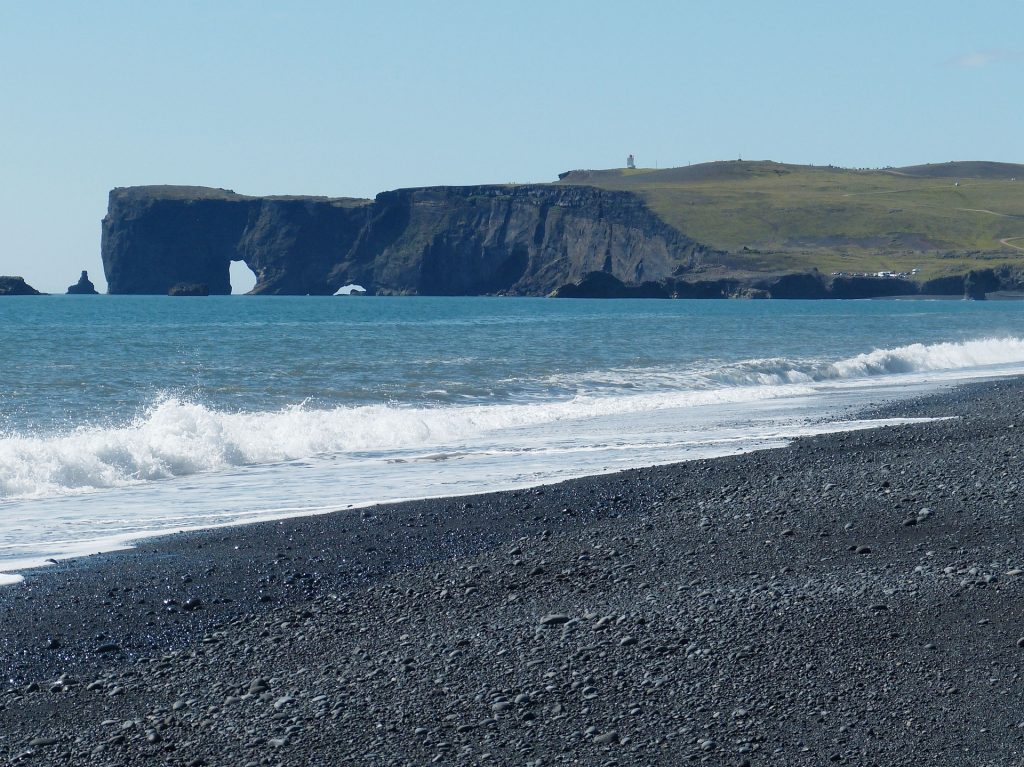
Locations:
732 229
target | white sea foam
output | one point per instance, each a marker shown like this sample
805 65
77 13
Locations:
780 371
179 438
918 358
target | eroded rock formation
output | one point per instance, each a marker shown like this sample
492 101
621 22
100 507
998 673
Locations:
470 240
525 240
83 287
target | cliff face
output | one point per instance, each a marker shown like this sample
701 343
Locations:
430 241
156 237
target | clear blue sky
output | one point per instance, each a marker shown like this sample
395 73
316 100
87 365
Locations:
351 98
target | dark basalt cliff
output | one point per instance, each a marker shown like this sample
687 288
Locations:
523 240
16 286
800 285
83 287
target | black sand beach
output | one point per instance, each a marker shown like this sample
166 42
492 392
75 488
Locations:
851 599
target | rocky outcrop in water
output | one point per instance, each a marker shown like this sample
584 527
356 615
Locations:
871 287
979 282
604 285
189 289
523 240
16 286
83 287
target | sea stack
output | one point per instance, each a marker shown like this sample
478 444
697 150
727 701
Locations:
16 286
83 287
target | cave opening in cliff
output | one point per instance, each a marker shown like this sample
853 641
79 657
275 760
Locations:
242 278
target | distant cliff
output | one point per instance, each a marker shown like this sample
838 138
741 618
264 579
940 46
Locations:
520 240
16 286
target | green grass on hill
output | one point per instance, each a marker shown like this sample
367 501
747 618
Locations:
770 216
194 193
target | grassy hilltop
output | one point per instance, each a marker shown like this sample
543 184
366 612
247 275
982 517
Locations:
769 216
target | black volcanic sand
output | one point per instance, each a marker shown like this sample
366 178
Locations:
851 599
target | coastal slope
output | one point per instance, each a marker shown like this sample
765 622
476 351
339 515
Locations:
939 219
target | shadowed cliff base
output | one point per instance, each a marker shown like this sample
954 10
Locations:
189 289
975 285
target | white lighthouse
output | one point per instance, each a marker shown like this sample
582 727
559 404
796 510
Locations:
631 162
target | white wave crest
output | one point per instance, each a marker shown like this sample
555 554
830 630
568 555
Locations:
920 358
176 438
901 360
179 438
781 371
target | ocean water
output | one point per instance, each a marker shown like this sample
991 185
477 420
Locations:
124 416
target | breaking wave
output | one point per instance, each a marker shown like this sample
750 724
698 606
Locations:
917 358
177 438
780 371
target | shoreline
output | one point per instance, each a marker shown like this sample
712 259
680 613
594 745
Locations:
728 585
12 572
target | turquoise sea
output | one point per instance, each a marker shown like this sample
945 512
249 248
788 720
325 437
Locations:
121 416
